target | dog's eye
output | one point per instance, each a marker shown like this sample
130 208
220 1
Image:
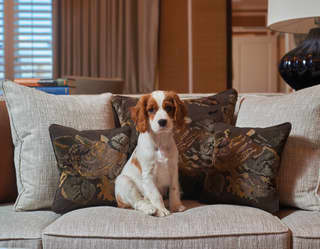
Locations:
168 108
151 110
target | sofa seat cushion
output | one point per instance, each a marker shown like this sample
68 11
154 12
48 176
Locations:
23 229
304 226
207 226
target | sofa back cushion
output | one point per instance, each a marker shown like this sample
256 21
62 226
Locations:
8 188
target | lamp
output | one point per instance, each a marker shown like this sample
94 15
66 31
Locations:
300 67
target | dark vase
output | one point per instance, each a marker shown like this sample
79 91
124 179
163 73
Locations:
300 68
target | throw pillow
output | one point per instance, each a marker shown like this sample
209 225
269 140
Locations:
31 112
88 161
245 164
202 112
8 187
299 175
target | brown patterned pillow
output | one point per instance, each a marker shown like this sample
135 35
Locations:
121 106
241 165
88 162
203 112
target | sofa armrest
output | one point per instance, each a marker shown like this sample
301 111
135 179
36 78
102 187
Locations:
8 187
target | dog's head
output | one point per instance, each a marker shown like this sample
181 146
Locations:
159 111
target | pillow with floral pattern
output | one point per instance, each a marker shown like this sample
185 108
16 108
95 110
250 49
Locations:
89 162
242 168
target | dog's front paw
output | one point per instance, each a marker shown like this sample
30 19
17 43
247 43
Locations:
150 210
177 208
161 212
146 207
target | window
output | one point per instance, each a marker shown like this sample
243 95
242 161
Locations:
28 38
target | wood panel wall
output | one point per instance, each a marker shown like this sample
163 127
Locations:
209 28
193 52
249 13
173 46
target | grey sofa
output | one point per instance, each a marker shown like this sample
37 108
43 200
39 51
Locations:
200 226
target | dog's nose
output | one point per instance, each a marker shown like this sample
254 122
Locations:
162 122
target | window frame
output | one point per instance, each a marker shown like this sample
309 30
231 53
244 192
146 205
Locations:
8 17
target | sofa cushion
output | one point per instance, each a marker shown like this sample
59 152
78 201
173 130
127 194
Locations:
8 187
31 112
23 229
304 227
88 161
299 175
245 166
202 111
215 226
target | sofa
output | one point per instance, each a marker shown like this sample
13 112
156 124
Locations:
295 225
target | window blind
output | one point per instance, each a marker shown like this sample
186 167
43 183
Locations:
32 38
1 40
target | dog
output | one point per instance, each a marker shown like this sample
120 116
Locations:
152 170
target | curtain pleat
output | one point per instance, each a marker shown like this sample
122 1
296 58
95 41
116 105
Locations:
110 39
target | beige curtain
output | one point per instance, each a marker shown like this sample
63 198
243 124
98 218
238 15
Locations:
110 39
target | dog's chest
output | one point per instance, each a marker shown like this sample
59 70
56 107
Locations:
162 171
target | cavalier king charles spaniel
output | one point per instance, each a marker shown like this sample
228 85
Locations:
152 170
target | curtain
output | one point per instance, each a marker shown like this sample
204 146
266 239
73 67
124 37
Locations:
110 39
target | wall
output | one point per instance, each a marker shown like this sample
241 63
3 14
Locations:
193 52
256 49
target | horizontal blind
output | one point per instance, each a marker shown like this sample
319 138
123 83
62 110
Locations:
33 39
1 40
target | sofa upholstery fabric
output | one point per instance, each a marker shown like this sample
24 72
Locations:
299 175
262 241
23 229
304 227
31 112
216 226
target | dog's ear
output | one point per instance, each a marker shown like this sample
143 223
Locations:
139 114
180 110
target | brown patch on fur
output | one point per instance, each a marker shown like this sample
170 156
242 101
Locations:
180 110
142 112
139 114
152 105
168 103
121 204
136 163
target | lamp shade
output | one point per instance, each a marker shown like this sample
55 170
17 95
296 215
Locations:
293 16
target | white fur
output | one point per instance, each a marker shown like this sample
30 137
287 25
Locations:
143 188
159 96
